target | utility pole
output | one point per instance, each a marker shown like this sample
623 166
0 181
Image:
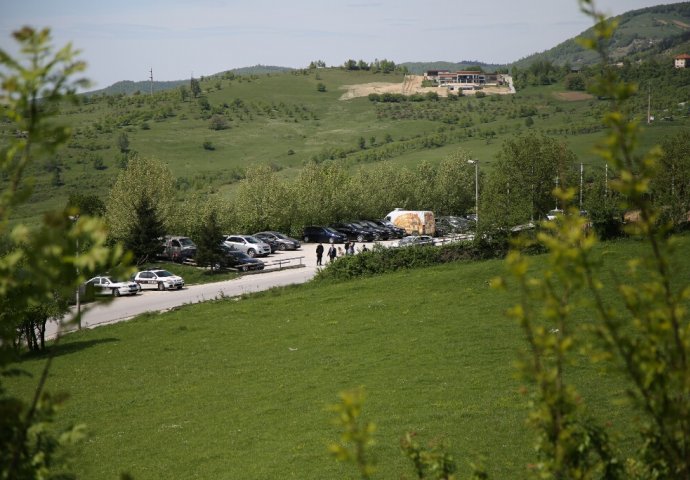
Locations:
581 175
649 106
151 78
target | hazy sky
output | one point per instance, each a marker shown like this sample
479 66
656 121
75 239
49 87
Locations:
122 40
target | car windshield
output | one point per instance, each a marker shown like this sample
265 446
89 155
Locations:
163 273
281 236
241 255
330 230
252 239
186 242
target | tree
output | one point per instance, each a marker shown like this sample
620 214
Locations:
184 93
144 237
86 204
262 201
143 177
195 87
454 186
639 326
574 81
123 142
209 252
671 186
218 122
527 170
38 266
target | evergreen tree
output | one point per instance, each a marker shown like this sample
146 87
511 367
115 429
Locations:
209 252
144 236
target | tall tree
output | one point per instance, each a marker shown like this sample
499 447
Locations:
209 252
195 87
144 237
143 178
123 142
671 186
527 170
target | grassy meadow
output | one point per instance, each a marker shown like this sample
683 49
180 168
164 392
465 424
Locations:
239 388
282 120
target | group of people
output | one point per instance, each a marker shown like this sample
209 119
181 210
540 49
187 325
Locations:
334 252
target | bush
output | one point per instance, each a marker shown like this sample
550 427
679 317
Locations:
208 145
383 259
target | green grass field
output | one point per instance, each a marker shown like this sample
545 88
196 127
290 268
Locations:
239 388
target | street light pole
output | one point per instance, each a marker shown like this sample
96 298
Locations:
476 188
74 219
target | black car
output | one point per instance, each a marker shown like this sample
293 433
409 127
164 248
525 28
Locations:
322 234
240 260
354 231
395 231
283 242
379 232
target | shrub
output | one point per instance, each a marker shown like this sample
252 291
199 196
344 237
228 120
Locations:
208 145
382 259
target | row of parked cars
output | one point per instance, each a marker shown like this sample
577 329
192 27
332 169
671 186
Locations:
360 231
157 279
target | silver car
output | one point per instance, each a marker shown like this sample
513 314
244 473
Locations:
159 279
248 244
110 286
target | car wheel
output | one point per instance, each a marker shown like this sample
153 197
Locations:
281 246
161 286
251 252
306 239
116 292
360 238
245 268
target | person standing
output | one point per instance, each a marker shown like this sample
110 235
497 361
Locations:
319 253
332 253
347 247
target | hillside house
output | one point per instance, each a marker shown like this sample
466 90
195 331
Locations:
460 80
682 61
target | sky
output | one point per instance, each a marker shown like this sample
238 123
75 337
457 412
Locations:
125 39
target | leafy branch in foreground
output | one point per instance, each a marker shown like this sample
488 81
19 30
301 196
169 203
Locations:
646 336
37 266
356 438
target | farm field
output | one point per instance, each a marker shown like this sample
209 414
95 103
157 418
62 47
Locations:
239 388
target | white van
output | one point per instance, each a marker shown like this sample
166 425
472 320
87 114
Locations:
415 222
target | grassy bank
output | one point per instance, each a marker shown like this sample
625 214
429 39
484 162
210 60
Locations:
238 388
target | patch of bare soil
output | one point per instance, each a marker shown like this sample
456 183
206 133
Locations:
572 96
410 85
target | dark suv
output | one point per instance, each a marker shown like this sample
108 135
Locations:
322 234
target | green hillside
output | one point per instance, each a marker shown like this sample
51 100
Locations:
129 87
283 120
662 30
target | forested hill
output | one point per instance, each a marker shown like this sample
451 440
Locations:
641 34
129 87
